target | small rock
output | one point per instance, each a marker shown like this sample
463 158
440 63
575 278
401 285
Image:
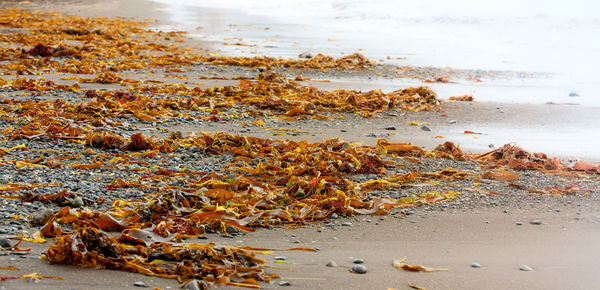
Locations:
285 283
425 128
139 284
536 222
475 265
343 130
371 135
358 261
77 202
391 128
452 122
192 285
334 215
280 258
519 223
392 114
261 69
574 94
42 216
359 269
5 243
347 224
525 268
334 238
331 264
232 230
305 54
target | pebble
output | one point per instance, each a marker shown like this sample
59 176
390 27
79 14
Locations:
334 215
192 285
280 258
347 224
425 128
305 54
452 122
574 94
359 269
285 283
525 268
475 265
519 223
358 261
139 284
391 128
371 135
343 130
331 264
5 243
77 202
42 216
536 222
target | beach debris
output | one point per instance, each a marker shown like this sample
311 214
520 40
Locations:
471 132
441 79
398 264
475 265
586 167
359 269
525 268
463 98
413 123
414 286
474 79
500 174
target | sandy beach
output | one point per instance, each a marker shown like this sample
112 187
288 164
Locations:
537 231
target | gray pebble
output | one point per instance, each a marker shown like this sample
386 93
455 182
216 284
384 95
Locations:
343 130
358 261
371 135
525 268
425 128
139 284
574 94
280 258
331 264
192 285
347 224
285 283
42 216
536 222
475 265
5 243
77 202
519 223
452 121
359 269
391 128
334 215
